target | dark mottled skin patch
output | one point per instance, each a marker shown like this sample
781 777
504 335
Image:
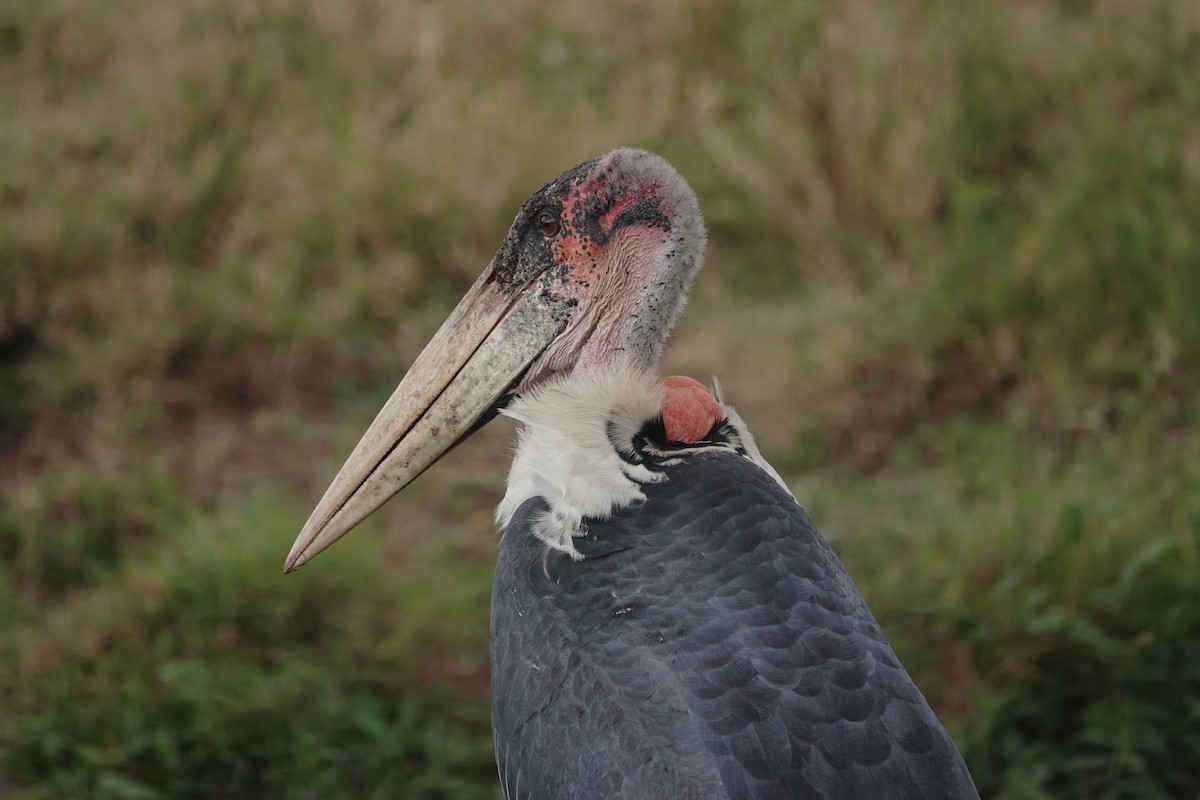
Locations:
585 202
525 251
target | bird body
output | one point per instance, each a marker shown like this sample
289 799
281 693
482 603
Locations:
666 621
699 638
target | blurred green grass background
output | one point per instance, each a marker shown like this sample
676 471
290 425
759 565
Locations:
953 285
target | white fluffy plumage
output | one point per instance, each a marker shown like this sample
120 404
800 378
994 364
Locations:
567 450
565 455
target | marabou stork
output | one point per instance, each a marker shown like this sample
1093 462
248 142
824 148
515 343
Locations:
666 621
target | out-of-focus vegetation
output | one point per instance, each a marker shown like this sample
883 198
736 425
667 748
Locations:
953 284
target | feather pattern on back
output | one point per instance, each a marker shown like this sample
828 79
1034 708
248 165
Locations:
699 639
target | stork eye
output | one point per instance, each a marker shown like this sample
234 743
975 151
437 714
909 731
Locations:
547 222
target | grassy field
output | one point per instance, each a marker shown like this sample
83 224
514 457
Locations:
953 285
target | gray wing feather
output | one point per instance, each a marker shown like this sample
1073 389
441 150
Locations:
710 645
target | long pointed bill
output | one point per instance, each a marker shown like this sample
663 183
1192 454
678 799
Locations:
477 355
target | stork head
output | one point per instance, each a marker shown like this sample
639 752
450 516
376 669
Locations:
594 270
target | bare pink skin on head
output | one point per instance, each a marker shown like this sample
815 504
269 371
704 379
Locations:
604 276
689 410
